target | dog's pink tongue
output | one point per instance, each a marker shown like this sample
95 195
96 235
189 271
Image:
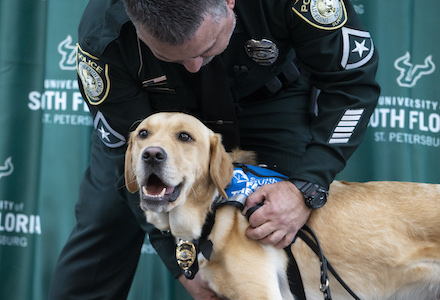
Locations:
169 190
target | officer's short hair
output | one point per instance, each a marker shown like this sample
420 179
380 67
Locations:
173 21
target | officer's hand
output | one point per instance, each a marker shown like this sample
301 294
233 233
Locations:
283 213
197 288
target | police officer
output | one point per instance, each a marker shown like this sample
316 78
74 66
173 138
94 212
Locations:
292 80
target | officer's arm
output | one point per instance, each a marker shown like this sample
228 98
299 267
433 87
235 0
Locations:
341 60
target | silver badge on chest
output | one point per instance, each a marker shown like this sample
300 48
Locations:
264 52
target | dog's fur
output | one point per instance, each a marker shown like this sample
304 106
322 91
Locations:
383 238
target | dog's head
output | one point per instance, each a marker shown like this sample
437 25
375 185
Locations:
174 160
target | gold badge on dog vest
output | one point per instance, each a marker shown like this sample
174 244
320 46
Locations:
264 52
185 254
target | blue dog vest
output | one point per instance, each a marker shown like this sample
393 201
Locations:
245 180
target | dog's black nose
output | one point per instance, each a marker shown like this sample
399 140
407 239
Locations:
154 155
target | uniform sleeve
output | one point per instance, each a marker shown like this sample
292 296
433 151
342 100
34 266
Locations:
341 60
165 246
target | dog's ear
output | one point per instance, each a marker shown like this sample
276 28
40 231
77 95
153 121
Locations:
130 176
220 167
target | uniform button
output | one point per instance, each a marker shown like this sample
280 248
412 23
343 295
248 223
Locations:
240 69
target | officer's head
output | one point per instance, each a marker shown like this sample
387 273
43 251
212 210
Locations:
182 31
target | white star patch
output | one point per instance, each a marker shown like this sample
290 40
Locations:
358 48
104 134
107 135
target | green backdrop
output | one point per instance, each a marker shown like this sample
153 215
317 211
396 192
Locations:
45 130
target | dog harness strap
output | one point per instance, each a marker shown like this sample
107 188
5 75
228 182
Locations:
205 245
325 264
238 201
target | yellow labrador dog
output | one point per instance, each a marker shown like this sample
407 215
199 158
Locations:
383 238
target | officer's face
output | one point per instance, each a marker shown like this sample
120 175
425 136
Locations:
210 39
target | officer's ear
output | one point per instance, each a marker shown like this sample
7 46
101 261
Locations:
220 167
230 4
130 176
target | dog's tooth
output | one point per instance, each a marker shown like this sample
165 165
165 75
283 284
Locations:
161 194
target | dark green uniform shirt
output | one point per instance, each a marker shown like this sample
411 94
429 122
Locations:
123 82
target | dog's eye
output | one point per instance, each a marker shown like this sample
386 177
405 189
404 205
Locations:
143 134
185 137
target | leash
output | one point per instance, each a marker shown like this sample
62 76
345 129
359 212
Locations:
316 247
325 264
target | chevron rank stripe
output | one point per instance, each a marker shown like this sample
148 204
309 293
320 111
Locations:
346 126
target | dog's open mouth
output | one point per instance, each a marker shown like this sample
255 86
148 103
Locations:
155 190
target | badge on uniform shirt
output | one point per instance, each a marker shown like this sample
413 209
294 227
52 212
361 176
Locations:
264 52
94 76
323 14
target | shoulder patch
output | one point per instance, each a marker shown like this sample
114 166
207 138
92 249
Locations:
106 134
358 48
322 14
94 76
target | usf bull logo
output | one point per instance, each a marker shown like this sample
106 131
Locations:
68 54
409 73
7 168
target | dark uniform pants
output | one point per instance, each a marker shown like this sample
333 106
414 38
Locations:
101 255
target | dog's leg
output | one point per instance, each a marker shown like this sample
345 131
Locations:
246 276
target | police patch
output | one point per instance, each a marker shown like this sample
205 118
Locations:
323 14
358 48
94 76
